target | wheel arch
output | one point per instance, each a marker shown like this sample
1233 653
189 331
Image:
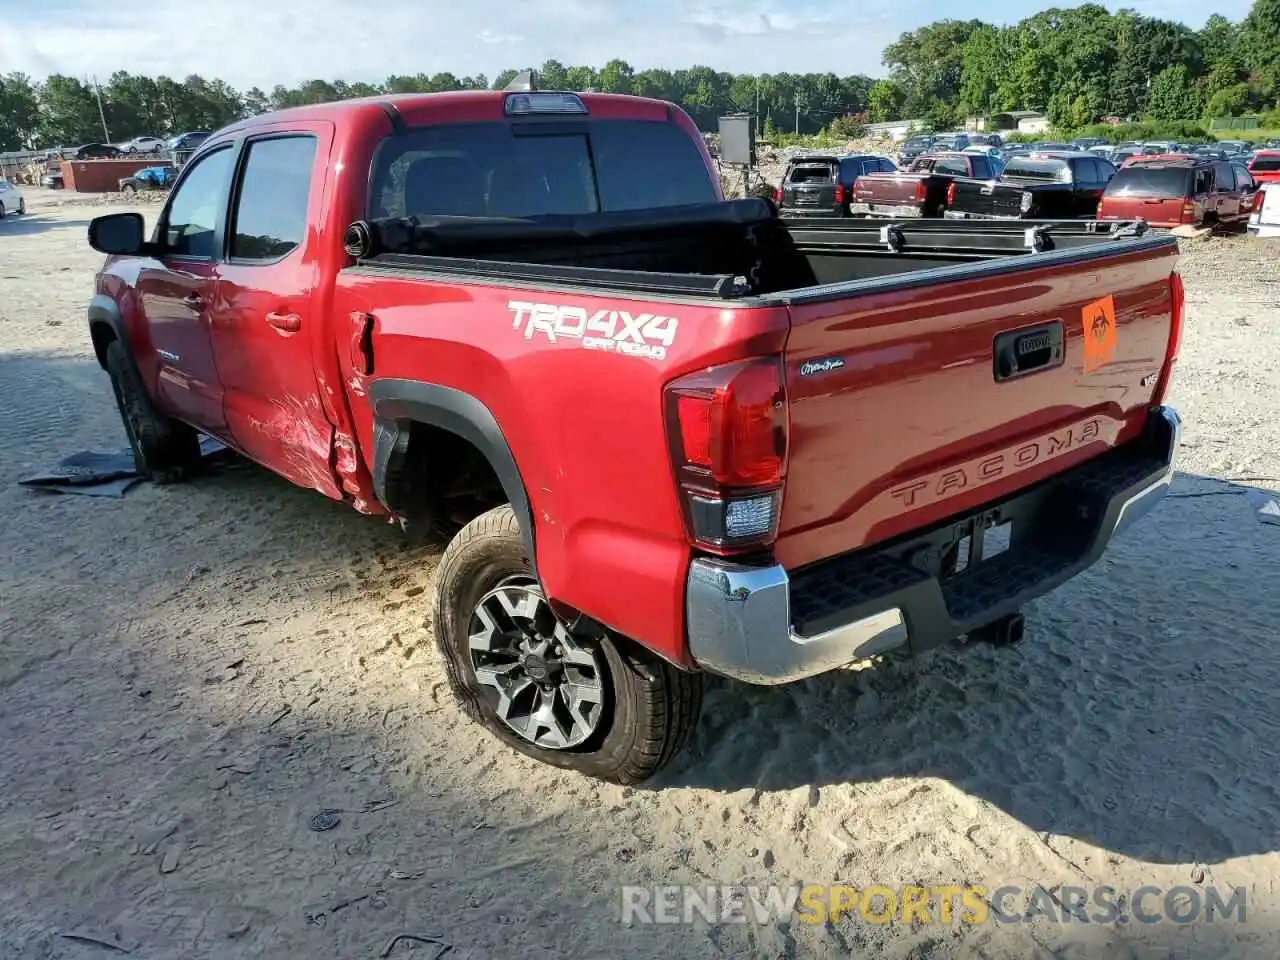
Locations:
106 324
397 404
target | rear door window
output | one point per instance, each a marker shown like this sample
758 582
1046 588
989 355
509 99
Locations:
952 165
497 170
1224 179
1265 164
810 173
1244 180
271 209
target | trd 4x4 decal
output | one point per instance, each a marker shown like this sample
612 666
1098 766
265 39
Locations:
638 335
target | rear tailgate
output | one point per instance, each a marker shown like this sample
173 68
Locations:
899 420
987 198
889 188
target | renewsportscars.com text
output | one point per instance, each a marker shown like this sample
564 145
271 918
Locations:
818 904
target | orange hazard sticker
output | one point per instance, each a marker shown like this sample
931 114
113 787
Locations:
1099 333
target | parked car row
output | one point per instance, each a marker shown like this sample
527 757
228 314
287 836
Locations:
1165 190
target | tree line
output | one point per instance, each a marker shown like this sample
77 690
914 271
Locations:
1080 66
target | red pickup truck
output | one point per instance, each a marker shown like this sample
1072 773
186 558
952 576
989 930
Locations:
681 434
922 189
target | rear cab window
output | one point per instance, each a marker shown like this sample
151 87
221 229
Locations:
1046 171
531 169
1265 164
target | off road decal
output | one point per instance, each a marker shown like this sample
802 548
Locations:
1099 333
615 331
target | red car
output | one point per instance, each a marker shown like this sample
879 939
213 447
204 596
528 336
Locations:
1171 190
1265 166
680 435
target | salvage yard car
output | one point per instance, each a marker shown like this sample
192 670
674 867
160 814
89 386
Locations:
1177 190
1038 186
823 185
11 199
921 189
682 435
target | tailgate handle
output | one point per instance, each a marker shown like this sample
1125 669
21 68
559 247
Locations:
1023 351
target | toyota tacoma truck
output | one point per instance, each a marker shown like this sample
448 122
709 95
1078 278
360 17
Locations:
922 190
680 435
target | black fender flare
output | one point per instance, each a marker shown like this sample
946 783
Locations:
104 315
397 403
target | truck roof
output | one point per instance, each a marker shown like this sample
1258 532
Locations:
477 105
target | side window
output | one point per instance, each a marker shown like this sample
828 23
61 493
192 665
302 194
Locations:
955 167
1204 182
1244 179
888 166
191 223
1105 172
270 218
1223 178
981 168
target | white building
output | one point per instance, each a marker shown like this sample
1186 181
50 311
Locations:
894 129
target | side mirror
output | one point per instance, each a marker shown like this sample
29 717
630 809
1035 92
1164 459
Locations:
117 233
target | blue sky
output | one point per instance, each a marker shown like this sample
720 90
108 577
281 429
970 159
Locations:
265 42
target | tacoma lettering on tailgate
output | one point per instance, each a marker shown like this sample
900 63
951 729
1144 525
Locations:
616 331
945 483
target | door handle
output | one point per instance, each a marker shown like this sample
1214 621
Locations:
193 300
288 322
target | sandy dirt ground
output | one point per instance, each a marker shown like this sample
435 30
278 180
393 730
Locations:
189 674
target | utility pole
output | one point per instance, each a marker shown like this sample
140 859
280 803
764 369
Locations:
798 102
102 114
757 106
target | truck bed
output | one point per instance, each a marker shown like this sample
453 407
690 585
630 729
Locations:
728 251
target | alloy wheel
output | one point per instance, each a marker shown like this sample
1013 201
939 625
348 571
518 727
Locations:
539 679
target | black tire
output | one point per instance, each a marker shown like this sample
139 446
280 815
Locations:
164 450
129 190
651 705
1 211
22 207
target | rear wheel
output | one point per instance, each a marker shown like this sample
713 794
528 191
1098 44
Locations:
1 211
164 450
129 190
597 704
22 207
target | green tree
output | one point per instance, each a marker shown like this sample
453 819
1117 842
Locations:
1260 47
1172 97
68 112
885 101
616 77
19 112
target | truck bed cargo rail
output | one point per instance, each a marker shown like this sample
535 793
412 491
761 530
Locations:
725 251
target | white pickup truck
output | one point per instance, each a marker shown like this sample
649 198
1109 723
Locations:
1265 221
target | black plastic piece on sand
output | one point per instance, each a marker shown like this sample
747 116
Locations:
97 473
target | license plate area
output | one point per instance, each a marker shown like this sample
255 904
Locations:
973 541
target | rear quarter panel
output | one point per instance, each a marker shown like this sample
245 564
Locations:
585 426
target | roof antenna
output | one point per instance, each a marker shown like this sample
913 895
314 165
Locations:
522 82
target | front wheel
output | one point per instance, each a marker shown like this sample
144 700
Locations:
164 450
598 704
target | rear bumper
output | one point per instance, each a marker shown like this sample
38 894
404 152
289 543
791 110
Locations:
761 625
885 210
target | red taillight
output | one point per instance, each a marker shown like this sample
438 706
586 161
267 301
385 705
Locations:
777 196
727 427
1177 308
951 193
1188 212
1258 199
839 193
921 193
